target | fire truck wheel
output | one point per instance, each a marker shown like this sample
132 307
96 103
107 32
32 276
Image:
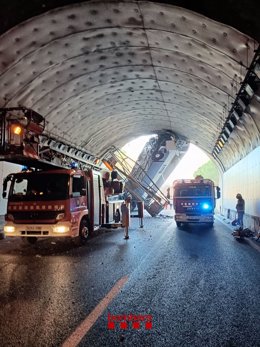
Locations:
83 232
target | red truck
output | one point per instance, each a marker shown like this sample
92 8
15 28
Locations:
54 203
51 199
194 201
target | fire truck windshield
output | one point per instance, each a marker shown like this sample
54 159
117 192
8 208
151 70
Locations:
32 187
193 190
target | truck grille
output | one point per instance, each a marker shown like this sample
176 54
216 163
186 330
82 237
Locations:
32 216
34 233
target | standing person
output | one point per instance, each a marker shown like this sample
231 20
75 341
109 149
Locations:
125 216
240 207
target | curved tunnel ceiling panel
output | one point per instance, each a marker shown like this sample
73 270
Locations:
103 73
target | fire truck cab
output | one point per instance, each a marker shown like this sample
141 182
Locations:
194 201
54 203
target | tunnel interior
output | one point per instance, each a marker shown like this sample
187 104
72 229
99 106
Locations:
103 73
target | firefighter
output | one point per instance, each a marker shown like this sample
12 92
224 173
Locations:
240 207
125 216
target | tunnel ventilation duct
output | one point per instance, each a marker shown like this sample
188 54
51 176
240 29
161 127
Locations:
248 88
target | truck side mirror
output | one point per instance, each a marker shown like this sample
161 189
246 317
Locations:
218 192
4 187
6 180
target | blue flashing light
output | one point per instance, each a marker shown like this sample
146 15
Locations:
205 206
74 165
24 168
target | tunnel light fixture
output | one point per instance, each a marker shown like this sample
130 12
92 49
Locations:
227 130
221 142
249 90
231 123
224 137
242 101
257 68
235 115
218 147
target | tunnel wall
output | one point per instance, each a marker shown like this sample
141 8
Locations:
5 169
243 178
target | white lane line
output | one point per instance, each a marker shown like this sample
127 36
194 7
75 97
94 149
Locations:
74 339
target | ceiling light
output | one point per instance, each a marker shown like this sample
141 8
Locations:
230 122
249 90
241 104
224 136
218 147
221 142
227 130
235 114
257 68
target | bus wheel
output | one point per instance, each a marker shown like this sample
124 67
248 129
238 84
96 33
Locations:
83 233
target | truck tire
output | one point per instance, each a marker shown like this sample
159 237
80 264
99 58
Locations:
81 239
210 225
178 224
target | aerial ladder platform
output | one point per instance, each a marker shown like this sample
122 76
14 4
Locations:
24 142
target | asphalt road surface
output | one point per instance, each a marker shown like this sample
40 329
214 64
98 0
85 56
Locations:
196 287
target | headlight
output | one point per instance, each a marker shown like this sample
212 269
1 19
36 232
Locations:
9 229
61 229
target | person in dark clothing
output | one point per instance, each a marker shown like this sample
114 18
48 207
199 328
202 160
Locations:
240 207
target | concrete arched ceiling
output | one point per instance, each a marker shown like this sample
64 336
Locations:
103 72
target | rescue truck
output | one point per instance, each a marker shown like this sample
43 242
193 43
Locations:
194 201
52 198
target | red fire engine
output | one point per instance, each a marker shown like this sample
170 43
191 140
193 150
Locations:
194 201
50 200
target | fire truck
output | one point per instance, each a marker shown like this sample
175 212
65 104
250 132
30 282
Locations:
61 192
194 201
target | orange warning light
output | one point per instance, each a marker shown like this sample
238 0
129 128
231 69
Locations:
16 129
